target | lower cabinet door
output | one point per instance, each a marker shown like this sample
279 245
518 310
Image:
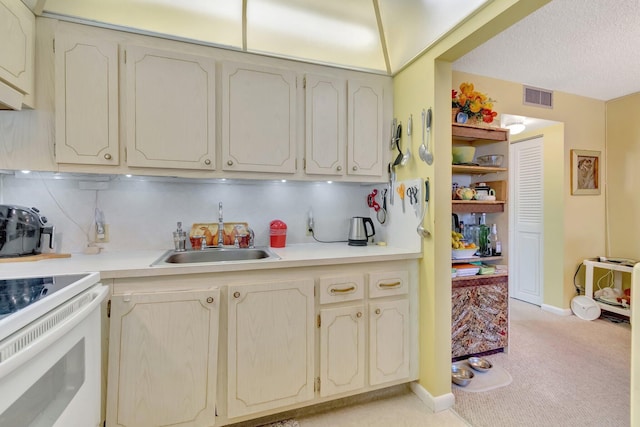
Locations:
388 341
270 346
163 358
342 350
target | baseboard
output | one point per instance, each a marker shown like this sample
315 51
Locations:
436 404
556 310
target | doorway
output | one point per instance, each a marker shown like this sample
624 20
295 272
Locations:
526 175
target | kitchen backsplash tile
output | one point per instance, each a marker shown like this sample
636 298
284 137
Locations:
142 213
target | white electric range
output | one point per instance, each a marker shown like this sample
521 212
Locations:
50 350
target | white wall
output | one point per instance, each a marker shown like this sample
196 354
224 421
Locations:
142 212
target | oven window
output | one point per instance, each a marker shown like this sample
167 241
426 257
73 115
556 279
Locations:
44 401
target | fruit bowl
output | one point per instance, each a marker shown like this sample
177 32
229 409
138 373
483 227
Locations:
463 253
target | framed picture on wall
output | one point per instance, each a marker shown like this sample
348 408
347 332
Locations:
585 172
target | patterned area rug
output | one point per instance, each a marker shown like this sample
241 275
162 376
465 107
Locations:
495 377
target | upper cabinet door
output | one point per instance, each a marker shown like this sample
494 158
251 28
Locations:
325 125
86 112
258 119
170 109
364 142
17 47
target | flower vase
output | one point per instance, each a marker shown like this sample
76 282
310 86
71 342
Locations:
462 118
454 113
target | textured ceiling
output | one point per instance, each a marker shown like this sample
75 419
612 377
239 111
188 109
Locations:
582 47
375 35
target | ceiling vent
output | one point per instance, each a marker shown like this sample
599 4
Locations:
537 97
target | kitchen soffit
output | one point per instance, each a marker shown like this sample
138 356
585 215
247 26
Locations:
375 35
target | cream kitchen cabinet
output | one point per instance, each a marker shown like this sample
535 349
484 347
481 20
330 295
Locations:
389 352
325 125
270 345
342 334
162 359
343 130
389 327
258 118
86 100
17 44
169 109
342 349
365 102
346 330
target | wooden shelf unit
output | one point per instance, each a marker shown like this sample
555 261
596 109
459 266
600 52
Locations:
480 308
476 170
475 259
478 134
475 206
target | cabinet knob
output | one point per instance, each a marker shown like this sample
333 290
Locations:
339 168
355 168
230 162
359 314
210 300
207 162
236 294
378 311
107 156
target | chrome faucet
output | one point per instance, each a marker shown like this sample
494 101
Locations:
251 237
220 226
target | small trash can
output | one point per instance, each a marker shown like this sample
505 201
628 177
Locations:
278 233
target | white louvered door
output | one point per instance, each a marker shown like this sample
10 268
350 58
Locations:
527 221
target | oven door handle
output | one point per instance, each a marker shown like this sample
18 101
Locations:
13 354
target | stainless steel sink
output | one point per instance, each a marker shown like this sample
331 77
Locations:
215 255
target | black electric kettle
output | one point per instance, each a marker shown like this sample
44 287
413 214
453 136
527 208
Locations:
358 233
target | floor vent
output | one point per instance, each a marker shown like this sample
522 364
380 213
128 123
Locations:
537 97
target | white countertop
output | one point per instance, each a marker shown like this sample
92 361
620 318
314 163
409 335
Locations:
138 263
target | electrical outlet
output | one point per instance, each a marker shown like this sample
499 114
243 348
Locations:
104 237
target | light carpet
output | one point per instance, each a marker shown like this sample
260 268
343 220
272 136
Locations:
566 372
495 377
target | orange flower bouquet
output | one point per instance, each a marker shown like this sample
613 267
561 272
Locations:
477 106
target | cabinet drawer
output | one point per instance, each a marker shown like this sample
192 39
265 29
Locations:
388 283
341 288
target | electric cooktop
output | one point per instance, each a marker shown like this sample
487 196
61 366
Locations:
24 299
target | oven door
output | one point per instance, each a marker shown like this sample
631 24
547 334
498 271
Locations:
50 370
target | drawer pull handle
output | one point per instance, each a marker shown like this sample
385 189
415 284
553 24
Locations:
359 314
230 162
236 294
210 300
107 156
207 162
343 291
339 168
378 311
389 285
